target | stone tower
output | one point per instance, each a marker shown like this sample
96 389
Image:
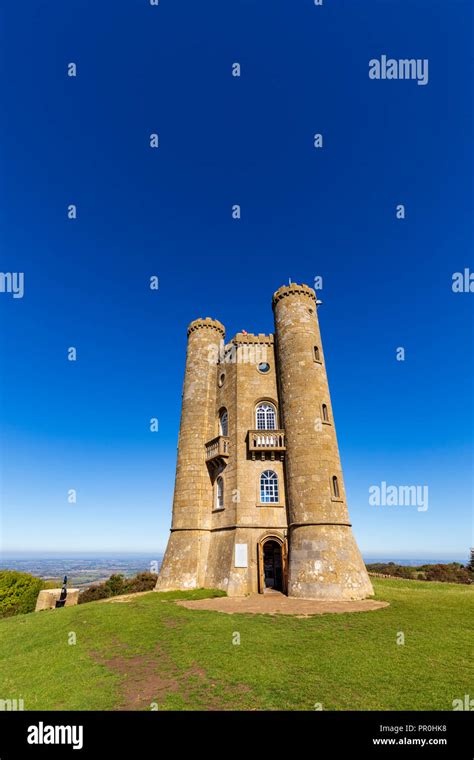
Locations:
259 498
324 561
184 565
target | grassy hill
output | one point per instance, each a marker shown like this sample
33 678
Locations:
148 650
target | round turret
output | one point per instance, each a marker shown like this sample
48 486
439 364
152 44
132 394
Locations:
184 563
324 560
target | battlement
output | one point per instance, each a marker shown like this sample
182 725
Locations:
246 348
293 290
247 338
207 323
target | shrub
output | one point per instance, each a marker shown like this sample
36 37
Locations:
116 585
452 572
93 593
140 582
53 583
18 592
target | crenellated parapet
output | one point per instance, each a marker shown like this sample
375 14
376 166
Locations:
293 290
248 338
207 323
247 348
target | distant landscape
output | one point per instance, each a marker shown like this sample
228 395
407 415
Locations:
81 570
84 569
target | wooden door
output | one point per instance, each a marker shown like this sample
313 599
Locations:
261 576
284 567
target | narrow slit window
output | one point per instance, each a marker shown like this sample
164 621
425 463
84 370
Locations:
325 413
224 423
317 356
220 493
335 487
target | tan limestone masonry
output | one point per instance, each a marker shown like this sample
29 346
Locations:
48 597
229 529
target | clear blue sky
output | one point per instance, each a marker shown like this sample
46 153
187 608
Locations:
305 212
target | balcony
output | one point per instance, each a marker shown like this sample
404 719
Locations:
217 449
265 442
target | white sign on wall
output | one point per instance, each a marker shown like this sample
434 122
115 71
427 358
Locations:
241 555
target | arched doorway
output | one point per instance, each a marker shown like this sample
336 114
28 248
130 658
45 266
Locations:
272 565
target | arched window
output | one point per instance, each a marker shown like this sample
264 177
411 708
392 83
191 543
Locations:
265 417
317 356
220 493
325 413
223 422
269 487
335 487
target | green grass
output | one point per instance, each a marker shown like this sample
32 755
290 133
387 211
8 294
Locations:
149 649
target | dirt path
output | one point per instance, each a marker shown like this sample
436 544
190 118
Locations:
148 679
124 597
279 604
